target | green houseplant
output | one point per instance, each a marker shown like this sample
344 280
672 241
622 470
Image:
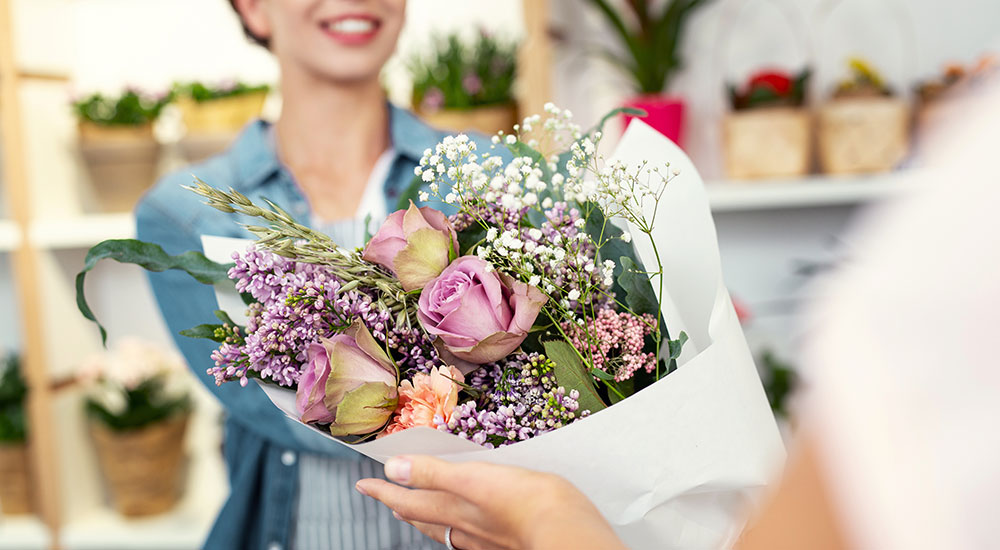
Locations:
118 146
138 409
466 84
219 108
15 487
649 35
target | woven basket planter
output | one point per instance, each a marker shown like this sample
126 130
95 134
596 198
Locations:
863 134
767 143
142 467
15 480
225 115
122 162
487 120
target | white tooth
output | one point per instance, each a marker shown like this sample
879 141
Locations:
353 26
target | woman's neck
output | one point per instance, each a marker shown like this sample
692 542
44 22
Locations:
329 136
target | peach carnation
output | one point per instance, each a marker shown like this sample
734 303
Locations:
426 398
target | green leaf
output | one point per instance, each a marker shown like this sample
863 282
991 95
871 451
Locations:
471 236
205 332
224 317
676 346
639 293
411 193
150 257
573 375
625 387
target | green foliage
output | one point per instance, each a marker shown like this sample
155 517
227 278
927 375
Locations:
202 92
759 93
573 375
462 75
779 382
152 258
652 42
144 405
639 293
131 108
13 394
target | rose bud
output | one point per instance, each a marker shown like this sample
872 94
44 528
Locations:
349 382
478 315
415 244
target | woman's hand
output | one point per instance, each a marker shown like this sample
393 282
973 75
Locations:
489 506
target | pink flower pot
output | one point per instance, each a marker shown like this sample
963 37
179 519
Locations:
664 113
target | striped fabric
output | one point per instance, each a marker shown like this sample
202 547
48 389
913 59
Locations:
334 516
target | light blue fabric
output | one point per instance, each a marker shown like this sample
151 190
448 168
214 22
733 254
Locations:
261 446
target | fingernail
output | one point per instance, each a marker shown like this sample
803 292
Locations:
360 488
398 470
396 515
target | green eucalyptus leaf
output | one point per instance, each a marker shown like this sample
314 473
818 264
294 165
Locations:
639 293
571 374
625 388
151 257
204 332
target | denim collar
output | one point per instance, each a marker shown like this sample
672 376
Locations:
257 160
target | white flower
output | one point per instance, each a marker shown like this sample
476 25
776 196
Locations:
495 140
450 198
511 140
534 280
573 295
535 233
491 234
588 146
580 223
428 176
547 203
626 237
417 171
588 267
424 196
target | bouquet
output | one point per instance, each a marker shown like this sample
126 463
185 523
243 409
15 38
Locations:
524 321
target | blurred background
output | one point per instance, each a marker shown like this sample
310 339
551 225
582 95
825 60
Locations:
796 112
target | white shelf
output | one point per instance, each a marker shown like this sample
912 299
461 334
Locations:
10 235
812 191
82 231
23 533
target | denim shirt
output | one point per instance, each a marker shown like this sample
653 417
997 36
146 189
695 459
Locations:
261 445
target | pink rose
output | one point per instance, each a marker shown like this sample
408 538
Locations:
349 382
478 315
426 399
415 244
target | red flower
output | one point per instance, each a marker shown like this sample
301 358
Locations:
780 82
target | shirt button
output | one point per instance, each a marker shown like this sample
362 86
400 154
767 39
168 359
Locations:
274 546
288 458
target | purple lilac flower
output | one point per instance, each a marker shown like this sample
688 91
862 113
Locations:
297 304
519 400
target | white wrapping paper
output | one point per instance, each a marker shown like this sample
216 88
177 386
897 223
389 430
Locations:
679 464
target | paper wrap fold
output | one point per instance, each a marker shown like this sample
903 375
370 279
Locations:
679 464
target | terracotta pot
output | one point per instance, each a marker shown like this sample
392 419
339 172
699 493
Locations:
664 113
122 162
863 134
225 115
767 142
15 480
142 467
487 120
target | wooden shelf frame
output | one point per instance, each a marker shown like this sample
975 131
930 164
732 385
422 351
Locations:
42 443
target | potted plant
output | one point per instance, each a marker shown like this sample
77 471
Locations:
939 97
865 126
213 114
118 146
767 132
464 86
650 33
138 414
15 481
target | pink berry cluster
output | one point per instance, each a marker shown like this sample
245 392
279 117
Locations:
613 342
